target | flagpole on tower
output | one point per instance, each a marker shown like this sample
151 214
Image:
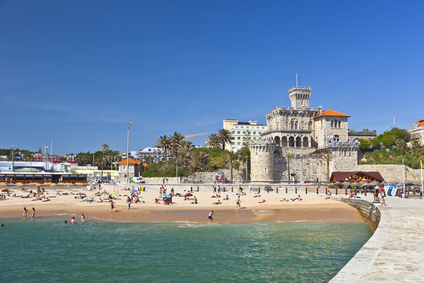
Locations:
296 81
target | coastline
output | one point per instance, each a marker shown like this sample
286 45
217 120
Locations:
64 203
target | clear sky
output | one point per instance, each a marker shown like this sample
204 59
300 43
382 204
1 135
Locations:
75 71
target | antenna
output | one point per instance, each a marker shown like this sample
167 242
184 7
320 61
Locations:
394 119
296 81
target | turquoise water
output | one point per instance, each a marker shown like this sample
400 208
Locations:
46 250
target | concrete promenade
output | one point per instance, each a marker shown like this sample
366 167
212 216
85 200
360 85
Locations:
395 253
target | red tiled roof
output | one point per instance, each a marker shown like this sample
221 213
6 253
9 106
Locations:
130 161
332 113
420 123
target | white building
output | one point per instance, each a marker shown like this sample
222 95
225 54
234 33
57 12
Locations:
243 132
417 132
155 153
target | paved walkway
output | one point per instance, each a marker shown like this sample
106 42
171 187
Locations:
395 253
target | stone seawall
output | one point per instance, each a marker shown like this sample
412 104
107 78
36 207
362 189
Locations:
394 252
363 206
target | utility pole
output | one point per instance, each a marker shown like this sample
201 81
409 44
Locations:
128 146
13 159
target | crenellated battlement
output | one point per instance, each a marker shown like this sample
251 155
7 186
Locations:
300 89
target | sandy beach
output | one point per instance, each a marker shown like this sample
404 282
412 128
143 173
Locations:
66 202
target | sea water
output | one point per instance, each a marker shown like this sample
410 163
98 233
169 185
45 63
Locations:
47 250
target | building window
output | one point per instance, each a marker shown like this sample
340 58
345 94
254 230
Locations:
238 138
238 143
234 143
254 133
238 132
233 132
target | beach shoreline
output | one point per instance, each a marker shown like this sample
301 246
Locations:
64 203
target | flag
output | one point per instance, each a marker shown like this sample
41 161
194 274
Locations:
422 164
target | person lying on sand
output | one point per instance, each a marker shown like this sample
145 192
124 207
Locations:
218 202
216 196
262 201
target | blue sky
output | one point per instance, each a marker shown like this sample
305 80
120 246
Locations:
75 71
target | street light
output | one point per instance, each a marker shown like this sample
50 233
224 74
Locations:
47 164
13 158
128 145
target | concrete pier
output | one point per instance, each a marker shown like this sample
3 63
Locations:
395 252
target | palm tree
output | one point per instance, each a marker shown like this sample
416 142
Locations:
198 159
213 140
288 157
224 137
328 156
185 147
232 157
176 141
164 142
104 149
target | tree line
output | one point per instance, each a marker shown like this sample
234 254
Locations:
392 147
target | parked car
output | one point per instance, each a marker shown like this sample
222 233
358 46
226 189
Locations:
138 180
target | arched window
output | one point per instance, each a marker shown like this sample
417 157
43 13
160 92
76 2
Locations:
293 124
310 125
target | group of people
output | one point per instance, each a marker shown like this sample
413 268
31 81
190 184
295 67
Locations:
25 213
299 198
73 221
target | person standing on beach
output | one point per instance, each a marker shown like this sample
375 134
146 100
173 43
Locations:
238 202
129 202
111 205
24 212
33 213
210 218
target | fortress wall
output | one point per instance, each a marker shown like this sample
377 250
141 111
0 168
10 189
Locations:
393 173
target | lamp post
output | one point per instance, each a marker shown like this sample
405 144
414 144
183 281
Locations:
404 175
128 145
13 159
47 157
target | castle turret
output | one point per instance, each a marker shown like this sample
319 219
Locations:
299 96
262 160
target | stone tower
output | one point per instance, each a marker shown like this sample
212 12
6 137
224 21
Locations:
299 97
262 156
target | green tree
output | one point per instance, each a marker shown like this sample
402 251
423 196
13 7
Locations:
328 156
164 142
213 140
224 137
364 144
232 158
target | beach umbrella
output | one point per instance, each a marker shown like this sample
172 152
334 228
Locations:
133 191
111 193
